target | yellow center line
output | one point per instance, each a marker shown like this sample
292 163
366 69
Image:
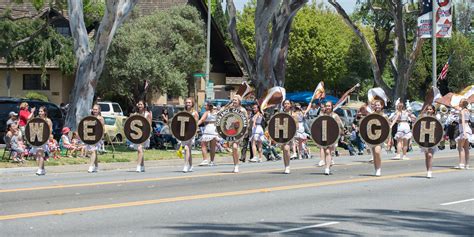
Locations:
62 186
209 195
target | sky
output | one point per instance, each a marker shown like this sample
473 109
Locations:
348 5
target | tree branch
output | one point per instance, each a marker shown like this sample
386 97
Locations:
78 29
373 59
249 64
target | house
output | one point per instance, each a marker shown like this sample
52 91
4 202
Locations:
226 74
19 79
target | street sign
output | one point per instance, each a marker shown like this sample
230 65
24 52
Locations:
199 74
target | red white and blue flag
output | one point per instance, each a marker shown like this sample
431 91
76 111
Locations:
444 71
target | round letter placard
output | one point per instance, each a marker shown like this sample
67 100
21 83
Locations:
231 124
325 131
427 132
374 129
37 132
183 126
90 130
282 128
137 129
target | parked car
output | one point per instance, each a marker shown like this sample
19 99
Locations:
114 128
108 108
347 116
8 104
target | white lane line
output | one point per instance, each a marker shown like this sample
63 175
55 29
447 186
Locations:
306 227
456 202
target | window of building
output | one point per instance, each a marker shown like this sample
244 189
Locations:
34 82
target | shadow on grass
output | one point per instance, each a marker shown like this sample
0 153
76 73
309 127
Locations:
368 221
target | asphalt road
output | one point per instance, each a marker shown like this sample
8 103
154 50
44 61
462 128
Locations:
260 200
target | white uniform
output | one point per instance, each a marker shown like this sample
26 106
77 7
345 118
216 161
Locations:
466 128
257 131
146 144
210 131
403 129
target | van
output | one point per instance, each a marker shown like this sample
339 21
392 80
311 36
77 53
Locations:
8 104
108 108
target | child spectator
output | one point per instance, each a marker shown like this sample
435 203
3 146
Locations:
66 142
53 147
18 146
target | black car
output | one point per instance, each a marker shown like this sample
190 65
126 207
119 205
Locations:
8 104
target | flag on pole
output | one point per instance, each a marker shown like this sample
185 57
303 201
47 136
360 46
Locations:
377 93
344 97
319 91
274 96
244 89
444 21
444 71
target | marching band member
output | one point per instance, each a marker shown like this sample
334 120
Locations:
94 166
188 159
465 135
258 134
429 152
403 135
286 147
142 110
301 136
210 134
377 150
236 104
41 153
327 151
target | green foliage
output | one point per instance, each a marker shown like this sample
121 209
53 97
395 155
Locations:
165 48
322 47
45 46
220 18
246 27
36 96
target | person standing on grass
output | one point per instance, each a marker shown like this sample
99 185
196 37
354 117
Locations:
25 115
143 111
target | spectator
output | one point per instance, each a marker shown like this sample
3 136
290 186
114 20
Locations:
66 142
25 115
53 147
13 118
18 146
165 116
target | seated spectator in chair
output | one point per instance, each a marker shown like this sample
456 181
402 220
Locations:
344 142
17 145
53 147
66 142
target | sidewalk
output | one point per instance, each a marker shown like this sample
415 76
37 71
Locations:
18 171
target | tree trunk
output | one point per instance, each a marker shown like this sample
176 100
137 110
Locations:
90 63
373 59
268 67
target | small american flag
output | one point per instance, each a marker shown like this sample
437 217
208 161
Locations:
444 71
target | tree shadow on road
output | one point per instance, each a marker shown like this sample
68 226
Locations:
371 221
